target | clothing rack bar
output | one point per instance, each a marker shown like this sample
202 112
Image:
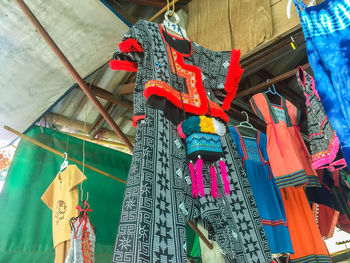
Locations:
28 13
62 154
265 84
161 11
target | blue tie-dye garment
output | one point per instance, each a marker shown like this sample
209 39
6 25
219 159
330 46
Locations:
327 33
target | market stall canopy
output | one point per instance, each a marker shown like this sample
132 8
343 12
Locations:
32 79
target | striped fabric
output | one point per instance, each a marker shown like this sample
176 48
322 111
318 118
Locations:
313 259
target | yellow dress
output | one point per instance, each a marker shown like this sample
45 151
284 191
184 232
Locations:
62 198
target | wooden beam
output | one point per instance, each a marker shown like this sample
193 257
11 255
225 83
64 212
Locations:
127 89
259 87
108 96
155 3
272 50
69 124
284 90
99 122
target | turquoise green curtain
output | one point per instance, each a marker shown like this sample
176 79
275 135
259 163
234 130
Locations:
25 221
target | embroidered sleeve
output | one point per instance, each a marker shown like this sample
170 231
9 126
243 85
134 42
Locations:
130 51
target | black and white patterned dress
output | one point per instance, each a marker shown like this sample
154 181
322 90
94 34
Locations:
158 199
324 143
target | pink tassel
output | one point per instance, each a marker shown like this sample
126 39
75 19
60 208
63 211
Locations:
193 178
214 187
224 177
199 176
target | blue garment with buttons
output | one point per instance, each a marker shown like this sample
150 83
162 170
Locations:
327 33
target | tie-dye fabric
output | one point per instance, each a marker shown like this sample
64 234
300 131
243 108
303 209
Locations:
327 33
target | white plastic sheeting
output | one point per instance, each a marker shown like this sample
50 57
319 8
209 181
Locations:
31 76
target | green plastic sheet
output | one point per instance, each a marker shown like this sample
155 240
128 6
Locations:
25 221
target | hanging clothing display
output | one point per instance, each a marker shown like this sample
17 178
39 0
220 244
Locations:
307 241
326 28
326 219
289 158
340 192
265 190
62 197
324 143
82 244
173 78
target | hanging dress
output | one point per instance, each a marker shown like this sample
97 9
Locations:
173 76
289 158
306 239
326 28
265 190
324 143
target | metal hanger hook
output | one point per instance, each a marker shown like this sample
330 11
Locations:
171 13
246 115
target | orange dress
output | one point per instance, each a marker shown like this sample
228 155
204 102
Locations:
307 241
289 158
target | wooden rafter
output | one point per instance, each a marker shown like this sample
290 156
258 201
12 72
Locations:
106 95
263 85
127 89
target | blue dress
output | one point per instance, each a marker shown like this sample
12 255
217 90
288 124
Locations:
266 193
326 28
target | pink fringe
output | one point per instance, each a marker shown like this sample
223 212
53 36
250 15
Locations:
180 132
199 176
214 187
193 178
224 177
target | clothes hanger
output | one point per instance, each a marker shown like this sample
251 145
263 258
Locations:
246 123
173 26
273 91
64 163
289 4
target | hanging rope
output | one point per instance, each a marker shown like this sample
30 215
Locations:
84 132
168 7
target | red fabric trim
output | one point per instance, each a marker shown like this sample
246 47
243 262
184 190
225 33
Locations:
123 65
273 222
203 108
135 119
130 45
234 74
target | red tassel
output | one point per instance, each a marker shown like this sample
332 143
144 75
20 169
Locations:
199 175
224 177
130 45
123 65
214 187
193 178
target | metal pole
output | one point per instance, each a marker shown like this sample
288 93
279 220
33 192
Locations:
62 154
28 13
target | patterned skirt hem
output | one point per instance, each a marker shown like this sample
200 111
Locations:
312 259
297 179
